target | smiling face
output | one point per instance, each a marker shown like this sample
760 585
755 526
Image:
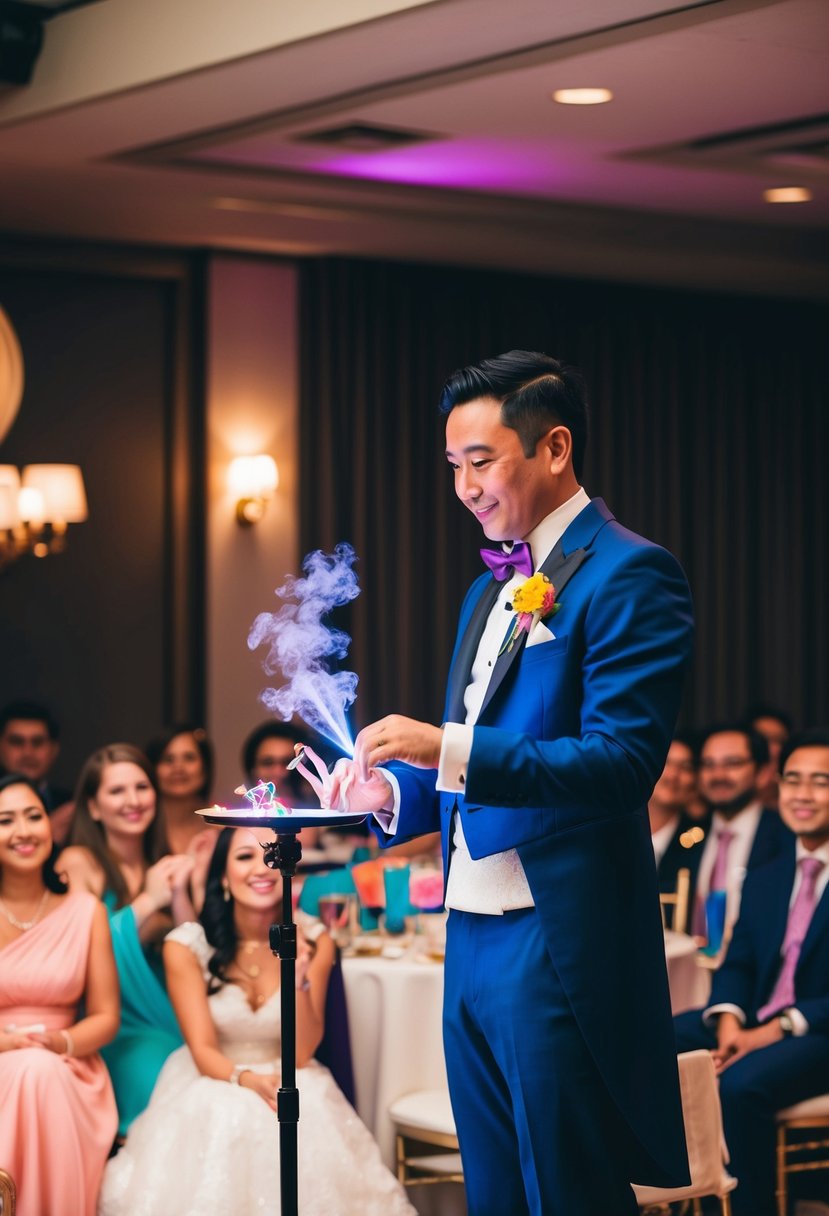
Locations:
507 492
180 770
25 831
804 795
251 884
678 783
124 804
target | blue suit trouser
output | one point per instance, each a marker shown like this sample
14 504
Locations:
751 1092
538 1133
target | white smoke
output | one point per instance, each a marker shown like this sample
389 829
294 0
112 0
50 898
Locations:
299 646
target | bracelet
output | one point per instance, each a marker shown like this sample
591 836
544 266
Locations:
69 1041
238 1069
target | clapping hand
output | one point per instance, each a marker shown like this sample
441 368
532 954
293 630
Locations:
166 877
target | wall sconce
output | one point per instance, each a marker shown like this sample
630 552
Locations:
252 481
36 509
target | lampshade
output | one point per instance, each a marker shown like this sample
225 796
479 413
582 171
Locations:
61 486
253 476
9 490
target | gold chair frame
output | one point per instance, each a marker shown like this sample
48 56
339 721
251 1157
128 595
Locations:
785 1151
678 900
8 1194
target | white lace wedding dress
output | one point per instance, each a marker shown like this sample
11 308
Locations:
207 1146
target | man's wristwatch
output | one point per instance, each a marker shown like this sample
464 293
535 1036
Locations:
786 1025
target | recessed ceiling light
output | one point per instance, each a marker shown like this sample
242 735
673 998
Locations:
788 194
582 97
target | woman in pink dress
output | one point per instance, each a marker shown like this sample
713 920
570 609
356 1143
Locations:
57 1111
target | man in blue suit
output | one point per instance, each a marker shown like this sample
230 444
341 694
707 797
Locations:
768 1020
562 699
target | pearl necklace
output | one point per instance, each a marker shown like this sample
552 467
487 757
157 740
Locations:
25 924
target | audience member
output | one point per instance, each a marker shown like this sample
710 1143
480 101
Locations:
57 1110
775 726
208 1140
677 840
29 745
118 852
768 1021
266 754
182 757
734 764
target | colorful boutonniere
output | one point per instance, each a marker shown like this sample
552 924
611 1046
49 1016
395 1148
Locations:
533 601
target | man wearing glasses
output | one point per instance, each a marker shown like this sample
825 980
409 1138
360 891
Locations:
734 765
767 1025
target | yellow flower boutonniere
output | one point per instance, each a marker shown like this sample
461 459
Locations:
533 601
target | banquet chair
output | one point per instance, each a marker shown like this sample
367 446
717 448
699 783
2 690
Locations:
424 1130
707 1152
8 1194
678 900
813 1114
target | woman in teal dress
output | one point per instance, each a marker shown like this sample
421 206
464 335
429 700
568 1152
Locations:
118 852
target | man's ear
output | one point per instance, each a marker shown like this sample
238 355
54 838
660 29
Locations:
558 446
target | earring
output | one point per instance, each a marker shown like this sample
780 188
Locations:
226 888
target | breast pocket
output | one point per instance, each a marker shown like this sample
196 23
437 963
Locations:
544 651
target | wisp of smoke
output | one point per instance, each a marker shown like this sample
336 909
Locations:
299 645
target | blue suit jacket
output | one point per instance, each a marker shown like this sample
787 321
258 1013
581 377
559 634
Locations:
751 966
568 745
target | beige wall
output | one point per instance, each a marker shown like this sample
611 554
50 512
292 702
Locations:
252 406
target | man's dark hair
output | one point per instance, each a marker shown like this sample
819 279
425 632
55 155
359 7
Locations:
269 730
815 736
29 711
763 710
757 743
536 393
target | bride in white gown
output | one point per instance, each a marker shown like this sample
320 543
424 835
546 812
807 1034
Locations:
208 1141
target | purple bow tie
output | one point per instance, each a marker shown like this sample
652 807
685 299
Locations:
505 565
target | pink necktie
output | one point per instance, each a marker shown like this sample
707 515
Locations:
717 882
800 916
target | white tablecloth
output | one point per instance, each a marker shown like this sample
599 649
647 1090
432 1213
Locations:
394 1015
690 984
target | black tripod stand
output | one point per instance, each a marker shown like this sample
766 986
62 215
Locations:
283 854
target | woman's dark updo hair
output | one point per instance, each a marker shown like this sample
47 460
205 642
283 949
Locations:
51 880
217 914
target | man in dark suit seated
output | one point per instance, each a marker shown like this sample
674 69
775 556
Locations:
768 1021
677 840
741 833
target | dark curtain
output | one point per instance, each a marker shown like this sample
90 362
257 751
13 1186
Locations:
710 435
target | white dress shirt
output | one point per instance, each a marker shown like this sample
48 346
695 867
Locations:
662 837
799 1023
496 884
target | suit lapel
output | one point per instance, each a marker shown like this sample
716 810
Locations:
461 668
559 570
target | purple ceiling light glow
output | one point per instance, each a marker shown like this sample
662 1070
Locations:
465 164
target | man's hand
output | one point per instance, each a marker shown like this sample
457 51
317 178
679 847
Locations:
397 738
348 793
734 1041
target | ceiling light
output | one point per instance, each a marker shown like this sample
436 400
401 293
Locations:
788 194
582 97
